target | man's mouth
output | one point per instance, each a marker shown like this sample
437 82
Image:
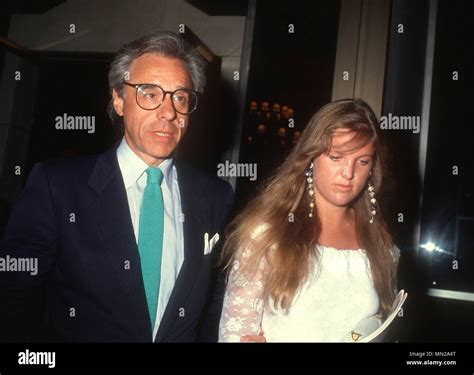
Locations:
160 136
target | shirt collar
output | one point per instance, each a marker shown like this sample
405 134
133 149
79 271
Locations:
133 167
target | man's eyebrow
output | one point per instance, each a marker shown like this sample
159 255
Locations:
180 87
184 87
159 84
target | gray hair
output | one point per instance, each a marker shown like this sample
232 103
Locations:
164 43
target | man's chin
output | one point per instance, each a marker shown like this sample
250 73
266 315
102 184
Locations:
162 155
161 151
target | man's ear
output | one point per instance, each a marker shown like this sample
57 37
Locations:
118 102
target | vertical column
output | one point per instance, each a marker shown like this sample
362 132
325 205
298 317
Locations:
361 51
233 154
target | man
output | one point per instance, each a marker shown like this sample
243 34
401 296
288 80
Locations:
124 239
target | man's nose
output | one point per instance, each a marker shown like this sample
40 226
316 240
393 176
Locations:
166 109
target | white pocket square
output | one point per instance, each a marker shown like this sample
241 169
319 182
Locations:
208 245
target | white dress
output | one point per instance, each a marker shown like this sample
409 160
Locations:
338 294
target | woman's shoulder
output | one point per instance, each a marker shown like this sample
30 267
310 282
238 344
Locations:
252 246
395 251
258 230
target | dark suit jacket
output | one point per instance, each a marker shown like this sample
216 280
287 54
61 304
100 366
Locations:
73 216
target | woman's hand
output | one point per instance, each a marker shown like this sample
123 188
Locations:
260 338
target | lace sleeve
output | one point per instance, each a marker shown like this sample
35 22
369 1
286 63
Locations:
243 305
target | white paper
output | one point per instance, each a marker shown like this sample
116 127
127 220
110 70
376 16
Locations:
369 329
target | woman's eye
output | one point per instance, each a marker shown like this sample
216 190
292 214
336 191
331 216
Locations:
334 158
364 162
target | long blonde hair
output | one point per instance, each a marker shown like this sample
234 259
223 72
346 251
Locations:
288 246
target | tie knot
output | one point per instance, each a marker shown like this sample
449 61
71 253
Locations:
154 175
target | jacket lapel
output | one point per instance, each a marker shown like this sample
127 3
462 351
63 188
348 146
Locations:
112 214
193 251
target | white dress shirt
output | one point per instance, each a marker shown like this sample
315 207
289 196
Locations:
134 177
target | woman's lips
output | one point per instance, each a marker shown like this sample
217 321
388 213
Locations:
343 187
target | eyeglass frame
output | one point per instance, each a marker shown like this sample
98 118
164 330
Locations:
136 86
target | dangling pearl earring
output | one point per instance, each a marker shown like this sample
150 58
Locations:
309 180
373 202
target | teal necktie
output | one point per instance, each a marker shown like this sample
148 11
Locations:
150 238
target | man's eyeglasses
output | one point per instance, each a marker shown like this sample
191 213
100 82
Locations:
150 97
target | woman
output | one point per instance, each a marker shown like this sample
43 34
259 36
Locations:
310 256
